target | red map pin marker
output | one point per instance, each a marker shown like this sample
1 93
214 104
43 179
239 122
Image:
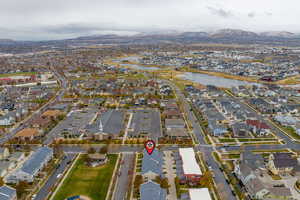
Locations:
150 146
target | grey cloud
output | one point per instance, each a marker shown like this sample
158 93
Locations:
220 12
53 19
269 13
251 14
74 28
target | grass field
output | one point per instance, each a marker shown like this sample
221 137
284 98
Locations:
87 181
17 74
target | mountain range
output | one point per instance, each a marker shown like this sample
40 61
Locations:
231 36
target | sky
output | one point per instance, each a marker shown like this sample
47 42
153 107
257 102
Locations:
58 19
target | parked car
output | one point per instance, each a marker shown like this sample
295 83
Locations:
59 175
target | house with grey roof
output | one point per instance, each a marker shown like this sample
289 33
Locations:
6 120
250 170
4 153
240 130
152 191
285 120
7 193
216 129
32 166
152 164
254 161
279 163
5 166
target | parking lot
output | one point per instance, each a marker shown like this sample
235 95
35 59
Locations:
71 126
145 123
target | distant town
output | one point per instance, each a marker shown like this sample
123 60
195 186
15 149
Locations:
225 119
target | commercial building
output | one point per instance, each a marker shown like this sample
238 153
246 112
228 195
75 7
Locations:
190 171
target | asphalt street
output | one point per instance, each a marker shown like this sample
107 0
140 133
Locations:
53 179
123 182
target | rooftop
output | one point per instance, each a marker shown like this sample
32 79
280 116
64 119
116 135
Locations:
201 193
190 165
27 132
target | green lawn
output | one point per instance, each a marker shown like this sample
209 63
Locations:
17 74
226 140
87 181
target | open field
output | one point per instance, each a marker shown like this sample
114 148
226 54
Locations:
17 74
87 181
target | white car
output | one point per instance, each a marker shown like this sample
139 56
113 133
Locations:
58 175
33 197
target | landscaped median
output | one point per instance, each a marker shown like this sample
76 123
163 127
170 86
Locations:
92 182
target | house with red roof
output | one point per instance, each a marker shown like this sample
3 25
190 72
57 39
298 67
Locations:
258 127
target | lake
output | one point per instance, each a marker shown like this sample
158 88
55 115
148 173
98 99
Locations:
205 79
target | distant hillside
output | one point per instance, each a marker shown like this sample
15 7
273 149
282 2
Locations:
278 34
5 41
225 33
223 36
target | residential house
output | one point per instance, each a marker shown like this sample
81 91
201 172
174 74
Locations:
32 166
152 191
257 127
152 165
8 193
282 163
41 123
6 120
52 114
246 169
262 105
4 153
286 120
240 130
5 167
28 134
10 161
217 129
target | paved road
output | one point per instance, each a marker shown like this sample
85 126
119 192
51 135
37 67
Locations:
52 180
122 185
219 176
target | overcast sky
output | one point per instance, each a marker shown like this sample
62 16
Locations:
56 19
